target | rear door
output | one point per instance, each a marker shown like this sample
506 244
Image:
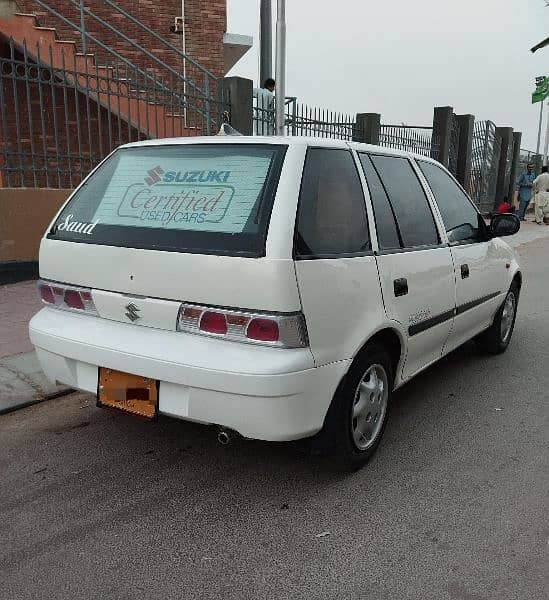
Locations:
415 267
334 261
479 261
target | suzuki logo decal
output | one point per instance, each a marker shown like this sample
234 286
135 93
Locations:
132 312
154 175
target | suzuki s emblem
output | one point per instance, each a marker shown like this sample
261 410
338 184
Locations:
132 312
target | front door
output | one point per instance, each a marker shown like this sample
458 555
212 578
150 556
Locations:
415 270
480 263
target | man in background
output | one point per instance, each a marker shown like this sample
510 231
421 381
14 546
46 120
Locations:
541 191
524 186
264 116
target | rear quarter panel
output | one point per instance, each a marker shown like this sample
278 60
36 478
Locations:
342 304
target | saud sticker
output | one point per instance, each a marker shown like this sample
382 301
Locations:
68 224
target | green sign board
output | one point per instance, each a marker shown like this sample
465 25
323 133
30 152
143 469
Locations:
542 89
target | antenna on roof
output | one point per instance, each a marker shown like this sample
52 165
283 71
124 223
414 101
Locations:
227 129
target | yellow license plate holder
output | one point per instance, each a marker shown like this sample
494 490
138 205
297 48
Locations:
129 393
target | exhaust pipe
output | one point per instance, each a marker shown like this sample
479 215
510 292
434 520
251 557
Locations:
224 437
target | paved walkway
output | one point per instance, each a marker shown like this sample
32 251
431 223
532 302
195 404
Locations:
21 379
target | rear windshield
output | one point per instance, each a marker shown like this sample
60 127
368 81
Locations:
209 198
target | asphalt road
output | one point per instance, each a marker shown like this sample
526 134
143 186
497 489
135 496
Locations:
454 505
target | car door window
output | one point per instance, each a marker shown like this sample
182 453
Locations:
410 206
461 219
387 232
332 212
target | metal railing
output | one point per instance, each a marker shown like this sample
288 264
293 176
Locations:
409 138
60 117
208 79
302 120
485 156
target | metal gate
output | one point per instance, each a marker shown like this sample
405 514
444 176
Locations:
485 156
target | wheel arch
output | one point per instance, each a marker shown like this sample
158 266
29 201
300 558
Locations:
392 339
517 278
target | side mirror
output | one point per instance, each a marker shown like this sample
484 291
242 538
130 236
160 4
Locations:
506 224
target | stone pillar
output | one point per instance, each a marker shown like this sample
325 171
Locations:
517 139
367 128
537 161
442 133
239 92
7 8
465 149
504 167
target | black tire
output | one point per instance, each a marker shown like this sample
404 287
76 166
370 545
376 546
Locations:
337 438
496 338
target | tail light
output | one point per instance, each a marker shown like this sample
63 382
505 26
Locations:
279 330
66 297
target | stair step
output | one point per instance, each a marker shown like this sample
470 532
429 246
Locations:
151 111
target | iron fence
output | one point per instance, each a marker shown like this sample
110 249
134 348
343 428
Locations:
419 140
301 119
61 114
453 147
485 157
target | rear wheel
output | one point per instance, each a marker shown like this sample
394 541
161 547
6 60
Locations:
496 339
358 414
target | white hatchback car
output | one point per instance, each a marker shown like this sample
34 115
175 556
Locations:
281 288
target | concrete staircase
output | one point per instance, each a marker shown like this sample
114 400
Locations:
119 95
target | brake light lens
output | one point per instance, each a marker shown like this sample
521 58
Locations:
66 297
213 322
279 330
73 300
263 330
46 293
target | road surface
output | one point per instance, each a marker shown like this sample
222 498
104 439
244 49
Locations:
453 506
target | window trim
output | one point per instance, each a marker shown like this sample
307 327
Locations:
465 242
399 235
331 255
442 243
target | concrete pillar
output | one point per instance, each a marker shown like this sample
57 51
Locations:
367 128
537 161
239 92
504 167
465 149
517 139
442 133
7 8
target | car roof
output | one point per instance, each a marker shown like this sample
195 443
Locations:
286 140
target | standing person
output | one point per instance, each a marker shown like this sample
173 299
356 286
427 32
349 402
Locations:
265 111
541 191
524 187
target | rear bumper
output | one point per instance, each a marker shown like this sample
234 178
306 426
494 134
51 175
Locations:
263 393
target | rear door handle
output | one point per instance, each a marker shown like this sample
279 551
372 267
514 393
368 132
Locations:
400 286
464 271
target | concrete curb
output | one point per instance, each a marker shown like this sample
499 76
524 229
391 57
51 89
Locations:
23 383
33 401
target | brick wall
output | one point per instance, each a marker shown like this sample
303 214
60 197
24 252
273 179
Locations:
205 25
